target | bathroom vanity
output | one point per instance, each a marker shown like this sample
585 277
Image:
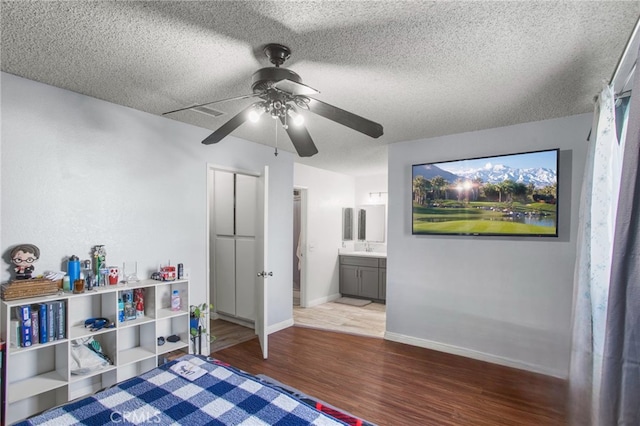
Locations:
363 275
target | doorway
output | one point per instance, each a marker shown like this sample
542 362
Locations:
237 256
298 247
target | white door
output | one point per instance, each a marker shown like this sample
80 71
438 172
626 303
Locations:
224 273
223 203
245 278
262 273
245 202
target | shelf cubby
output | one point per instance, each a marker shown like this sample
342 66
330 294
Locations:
136 343
35 404
178 326
91 305
83 385
37 371
163 299
135 368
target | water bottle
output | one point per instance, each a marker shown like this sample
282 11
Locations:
73 269
175 300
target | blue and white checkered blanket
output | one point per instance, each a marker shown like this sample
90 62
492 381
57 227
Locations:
221 396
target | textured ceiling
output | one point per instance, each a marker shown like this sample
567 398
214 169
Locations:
421 69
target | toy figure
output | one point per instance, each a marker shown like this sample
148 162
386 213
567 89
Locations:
138 297
99 264
23 257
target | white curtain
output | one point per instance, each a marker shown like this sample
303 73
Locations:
593 264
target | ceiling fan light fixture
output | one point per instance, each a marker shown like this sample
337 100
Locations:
255 113
281 92
296 118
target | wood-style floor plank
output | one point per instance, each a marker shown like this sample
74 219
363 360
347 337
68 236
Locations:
391 383
228 334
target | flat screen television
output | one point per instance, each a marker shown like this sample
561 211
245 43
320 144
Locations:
503 195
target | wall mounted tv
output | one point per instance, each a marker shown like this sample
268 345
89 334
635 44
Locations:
505 195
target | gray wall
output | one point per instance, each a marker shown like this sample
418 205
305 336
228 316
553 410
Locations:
503 299
77 172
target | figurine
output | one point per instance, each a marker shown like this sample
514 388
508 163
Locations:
23 257
99 264
138 297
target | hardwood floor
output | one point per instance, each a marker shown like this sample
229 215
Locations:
390 383
229 334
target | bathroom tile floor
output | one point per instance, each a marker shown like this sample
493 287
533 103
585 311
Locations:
369 320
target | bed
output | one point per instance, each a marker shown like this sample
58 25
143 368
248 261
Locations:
197 390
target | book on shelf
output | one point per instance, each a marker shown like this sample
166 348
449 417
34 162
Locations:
51 322
61 319
35 325
57 322
42 317
23 314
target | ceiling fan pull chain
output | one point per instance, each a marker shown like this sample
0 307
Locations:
276 153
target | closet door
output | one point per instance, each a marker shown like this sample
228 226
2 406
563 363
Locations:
223 202
235 212
245 278
246 205
225 271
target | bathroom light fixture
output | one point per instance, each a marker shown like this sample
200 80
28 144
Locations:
379 194
376 196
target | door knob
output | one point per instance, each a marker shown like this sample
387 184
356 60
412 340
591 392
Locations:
265 274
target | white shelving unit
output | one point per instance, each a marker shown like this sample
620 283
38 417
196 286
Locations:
39 376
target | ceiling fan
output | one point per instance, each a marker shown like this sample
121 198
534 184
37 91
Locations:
281 93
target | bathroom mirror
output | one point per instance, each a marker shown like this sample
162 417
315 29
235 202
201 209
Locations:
371 223
347 224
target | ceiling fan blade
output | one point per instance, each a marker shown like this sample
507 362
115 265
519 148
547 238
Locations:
229 126
251 95
301 139
295 88
346 118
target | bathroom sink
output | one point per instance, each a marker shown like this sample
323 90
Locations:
348 252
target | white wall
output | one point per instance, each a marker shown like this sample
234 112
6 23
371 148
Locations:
327 193
373 189
503 299
77 172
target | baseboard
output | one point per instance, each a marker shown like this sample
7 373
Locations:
469 353
235 320
280 326
322 300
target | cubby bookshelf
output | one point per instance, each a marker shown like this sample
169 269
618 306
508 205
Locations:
39 376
